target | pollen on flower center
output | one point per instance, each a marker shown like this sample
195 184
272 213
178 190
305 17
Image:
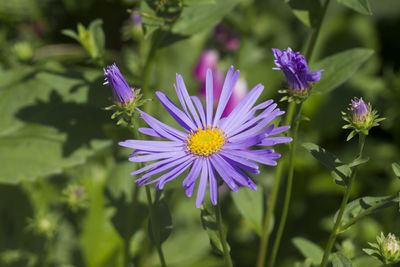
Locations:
205 142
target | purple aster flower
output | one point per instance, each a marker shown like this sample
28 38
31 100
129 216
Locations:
360 109
136 20
208 145
122 92
296 70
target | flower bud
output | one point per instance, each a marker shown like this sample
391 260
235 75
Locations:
294 67
361 117
75 196
122 92
387 249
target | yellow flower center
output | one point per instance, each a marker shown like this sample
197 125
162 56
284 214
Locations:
205 142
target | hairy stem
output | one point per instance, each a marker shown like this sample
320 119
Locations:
288 193
262 253
154 227
345 199
222 236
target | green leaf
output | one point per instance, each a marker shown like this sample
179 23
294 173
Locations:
340 260
307 11
71 33
209 222
250 205
358 161
363 206
396 169
361 6
96 34
197 18
164 221
340 67
339 171
48 122
101 244
308 249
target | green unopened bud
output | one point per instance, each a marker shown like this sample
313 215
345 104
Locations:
23 51
43 225
361 117
387 249
75 196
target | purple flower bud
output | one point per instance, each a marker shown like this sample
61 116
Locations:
226 37
208 60
296 70
136 19
122 93
360 109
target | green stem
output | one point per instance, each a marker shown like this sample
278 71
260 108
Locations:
366 212
154 226
288 191
222 236
130 228
148 64
262 253
315 33
345 199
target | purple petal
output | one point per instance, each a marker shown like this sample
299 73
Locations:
156 146
209 96
175 112
275 140
200 109
243 163
212 180
226 93
194 173
182 87
201 191
156 156
223 171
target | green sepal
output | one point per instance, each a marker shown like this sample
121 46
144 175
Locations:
127 114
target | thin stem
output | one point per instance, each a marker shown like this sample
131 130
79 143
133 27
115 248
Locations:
148 64
222 236
262 253
130 229
288 193
315 33
345 199
154 226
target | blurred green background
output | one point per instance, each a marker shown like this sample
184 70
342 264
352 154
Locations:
65 188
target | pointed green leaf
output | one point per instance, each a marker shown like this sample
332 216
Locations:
309 249
307 11
358 161
361 6
339 171
363 206
198 18
340 67
340 260
396 169
70 33
250 205
164 221
209 222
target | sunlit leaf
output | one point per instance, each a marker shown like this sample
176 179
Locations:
361 6
250 205
339 171
309 249
340 67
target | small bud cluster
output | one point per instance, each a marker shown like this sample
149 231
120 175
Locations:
361 117
387 249
75 196
126 99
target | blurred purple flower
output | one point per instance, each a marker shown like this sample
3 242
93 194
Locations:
208 60
296 70
122 93
208 144
360 109
226 37
136 19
